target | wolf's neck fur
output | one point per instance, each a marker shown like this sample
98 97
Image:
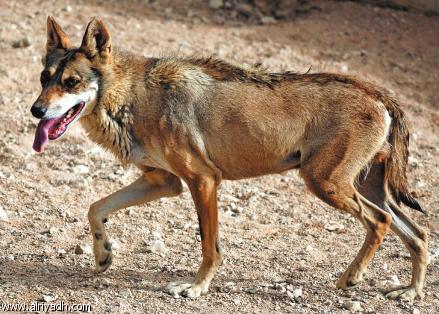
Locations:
109 125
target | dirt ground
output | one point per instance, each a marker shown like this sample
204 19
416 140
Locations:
277 237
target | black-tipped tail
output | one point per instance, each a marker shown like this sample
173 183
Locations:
411 202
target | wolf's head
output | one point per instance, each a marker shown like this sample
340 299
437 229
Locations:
70 79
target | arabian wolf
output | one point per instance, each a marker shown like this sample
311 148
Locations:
202 120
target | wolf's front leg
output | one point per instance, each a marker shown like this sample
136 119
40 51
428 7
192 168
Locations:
203 192
150 186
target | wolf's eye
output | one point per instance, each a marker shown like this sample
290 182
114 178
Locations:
44 78
71 82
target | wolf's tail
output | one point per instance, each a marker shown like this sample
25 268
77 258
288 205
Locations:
396 163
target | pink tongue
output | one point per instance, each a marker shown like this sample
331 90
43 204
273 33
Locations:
42 134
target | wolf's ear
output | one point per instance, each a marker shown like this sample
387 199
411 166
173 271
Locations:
56 38
97 41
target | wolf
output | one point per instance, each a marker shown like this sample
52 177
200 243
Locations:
203 120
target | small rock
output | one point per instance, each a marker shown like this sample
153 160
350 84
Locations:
235 209
295 295
83 249
331 226
344 67
61 253
268 20
87 249
433 255
68 8
394 281
3 214
125 293
81 169
157 246
416 311
413 162
79 249
216 4
115 246
46 298
279 287
22 43
419 183
353 306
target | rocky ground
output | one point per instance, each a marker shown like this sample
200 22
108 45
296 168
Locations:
284 248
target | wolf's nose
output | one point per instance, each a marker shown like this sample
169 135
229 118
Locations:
38 112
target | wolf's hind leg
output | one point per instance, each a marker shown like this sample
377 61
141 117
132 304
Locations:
150 186
331 178
413 236
345 197
416 241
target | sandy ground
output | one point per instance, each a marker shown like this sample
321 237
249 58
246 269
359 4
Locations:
277 237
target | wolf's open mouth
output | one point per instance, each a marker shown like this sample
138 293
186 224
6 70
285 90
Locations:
54 128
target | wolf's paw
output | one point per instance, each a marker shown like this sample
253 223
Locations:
104 257
189 290
404 293
350 279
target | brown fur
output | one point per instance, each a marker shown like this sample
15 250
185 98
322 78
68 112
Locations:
203 120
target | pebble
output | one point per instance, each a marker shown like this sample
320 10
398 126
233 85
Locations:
251 290
81 169
416 311
295 295
3 214
413 162
353 306
394 281
125 293
235 209
332 226
433 255
61 253
115 246
157 246
268 20
21 43
216 4
419 183
344 68
83 249
79 249
88 249
279 287
46 298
